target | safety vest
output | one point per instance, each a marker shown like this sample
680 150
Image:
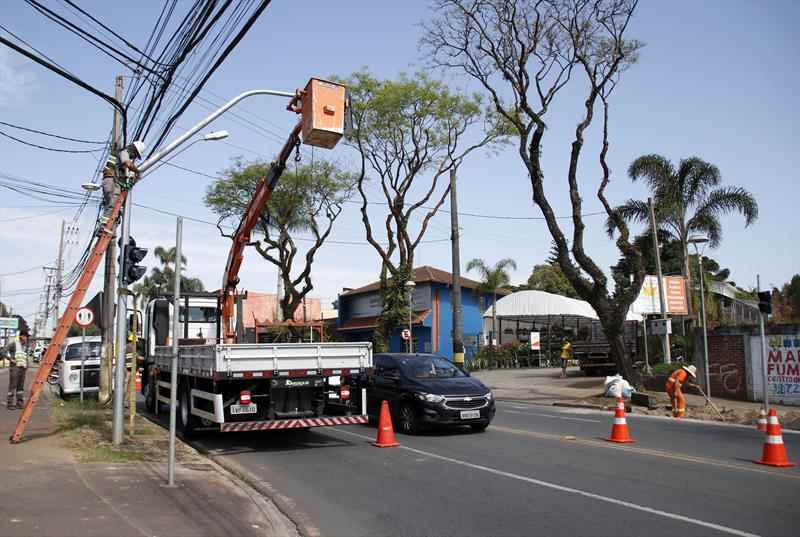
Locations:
679 375
566 351
20 356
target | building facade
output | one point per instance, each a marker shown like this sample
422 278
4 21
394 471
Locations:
432 313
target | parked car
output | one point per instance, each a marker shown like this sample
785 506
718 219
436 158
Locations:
69 366
427 390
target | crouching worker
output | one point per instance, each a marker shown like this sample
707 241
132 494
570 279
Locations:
674 389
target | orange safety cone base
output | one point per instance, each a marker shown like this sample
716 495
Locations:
776 464
619 430
621 441
385 437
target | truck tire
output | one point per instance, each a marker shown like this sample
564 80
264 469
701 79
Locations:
149 389
186 420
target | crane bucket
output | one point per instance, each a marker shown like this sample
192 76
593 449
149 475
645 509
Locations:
323 113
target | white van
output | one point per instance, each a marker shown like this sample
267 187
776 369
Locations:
69 366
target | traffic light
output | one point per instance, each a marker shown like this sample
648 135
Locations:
130 256
765 302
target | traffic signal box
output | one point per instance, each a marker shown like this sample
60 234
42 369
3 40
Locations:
323 113
765 302
131 255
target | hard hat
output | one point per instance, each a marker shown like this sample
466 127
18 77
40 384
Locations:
692 370
139 147
130 337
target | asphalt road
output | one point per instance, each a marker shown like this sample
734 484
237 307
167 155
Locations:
537 470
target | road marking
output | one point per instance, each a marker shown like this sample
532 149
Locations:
644 451
562 488
548 416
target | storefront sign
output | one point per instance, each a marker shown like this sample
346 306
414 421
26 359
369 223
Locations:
783 368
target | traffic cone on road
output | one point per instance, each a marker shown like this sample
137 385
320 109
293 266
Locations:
385 430
761 424
774 453
138 380
619 431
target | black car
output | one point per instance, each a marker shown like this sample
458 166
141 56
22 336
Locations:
427 389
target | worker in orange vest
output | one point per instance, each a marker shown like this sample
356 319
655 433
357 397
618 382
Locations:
674 389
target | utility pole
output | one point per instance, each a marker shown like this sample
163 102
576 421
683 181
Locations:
765 390
110 192
662 298
59 271
458 324
173 374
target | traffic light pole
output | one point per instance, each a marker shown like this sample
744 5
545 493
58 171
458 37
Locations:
122 331
765 392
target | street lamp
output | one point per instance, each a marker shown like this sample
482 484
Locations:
700 239
90 187
210 137
410 285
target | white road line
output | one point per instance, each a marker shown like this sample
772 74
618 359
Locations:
562 488
547 416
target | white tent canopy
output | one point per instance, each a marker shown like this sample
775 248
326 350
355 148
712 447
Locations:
538 306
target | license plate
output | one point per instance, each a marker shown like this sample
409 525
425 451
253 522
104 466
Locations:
252 408
470 414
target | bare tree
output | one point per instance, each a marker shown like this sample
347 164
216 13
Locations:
523 53
306 200
409 133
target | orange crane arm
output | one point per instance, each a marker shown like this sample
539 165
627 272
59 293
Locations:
242 236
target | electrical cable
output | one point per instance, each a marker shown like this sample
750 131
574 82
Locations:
55 149
78 140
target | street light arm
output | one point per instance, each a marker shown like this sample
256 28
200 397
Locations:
144 166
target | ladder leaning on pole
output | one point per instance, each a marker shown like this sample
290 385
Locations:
67 319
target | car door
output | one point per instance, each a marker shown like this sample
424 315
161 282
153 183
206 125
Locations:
387 383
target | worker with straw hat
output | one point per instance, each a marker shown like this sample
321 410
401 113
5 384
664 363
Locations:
674 389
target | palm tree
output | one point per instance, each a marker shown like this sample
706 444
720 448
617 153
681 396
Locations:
687 200
162 278
492 279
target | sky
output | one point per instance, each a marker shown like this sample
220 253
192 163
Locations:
716 79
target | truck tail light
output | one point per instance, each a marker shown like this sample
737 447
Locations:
344 393
244 397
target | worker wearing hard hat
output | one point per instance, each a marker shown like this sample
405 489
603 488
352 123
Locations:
566 356
674 389
17 353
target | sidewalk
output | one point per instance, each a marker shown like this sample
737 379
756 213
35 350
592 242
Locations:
544 386
47 491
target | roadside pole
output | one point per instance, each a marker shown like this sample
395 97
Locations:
122 330
83 357
765 391
59 273
173 389
110 192
662 298
646 352
706 365
458 325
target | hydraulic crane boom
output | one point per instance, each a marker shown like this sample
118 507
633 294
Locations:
242 236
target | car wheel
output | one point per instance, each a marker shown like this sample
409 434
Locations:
187 420
478 427
408 420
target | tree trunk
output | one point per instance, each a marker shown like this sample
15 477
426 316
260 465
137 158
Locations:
621 356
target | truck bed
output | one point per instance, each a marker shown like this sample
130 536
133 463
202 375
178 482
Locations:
252 360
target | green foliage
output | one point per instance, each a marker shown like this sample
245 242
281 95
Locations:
396 306
791 292
306 200
663 368
549 278
162 279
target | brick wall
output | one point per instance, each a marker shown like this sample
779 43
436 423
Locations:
727 370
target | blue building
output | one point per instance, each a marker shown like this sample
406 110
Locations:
432 317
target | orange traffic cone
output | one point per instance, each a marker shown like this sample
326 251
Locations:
385 430
138 380
619 432
761 424
774 453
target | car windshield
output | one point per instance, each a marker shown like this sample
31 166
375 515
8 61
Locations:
428 367
199 314
74 350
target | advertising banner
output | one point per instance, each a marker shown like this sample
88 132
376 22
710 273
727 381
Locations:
536 341
783 368
648 302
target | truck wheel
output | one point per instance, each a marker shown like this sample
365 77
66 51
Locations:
188 422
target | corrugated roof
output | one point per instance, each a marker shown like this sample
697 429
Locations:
425 274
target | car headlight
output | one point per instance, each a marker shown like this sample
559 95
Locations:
73 377
430 397
489 396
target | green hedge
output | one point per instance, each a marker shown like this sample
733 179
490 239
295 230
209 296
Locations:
666 369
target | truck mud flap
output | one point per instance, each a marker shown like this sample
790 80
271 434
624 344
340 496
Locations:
291 424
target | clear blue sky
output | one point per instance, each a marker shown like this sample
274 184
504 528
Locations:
717 79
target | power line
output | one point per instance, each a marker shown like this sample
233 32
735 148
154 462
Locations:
31 217
37 267
78 140
49 148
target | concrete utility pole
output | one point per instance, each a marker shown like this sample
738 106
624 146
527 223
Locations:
458 323
662 298
173 390
110 192
59 271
